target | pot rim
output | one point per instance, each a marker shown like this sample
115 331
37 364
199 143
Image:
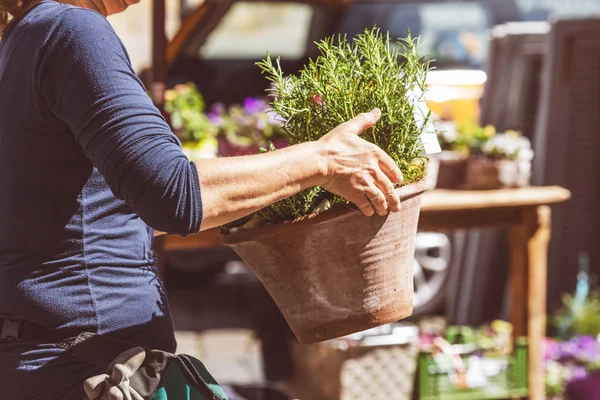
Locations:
404 192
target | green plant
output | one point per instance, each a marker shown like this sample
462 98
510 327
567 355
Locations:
350 77
582 320
185 105
252 124
471 137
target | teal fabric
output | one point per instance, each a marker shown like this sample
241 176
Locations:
208 378
175 386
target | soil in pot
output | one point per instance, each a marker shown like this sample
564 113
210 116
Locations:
337 272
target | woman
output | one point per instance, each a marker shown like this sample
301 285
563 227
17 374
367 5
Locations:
88 167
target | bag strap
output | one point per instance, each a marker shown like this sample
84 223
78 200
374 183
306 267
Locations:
18 330
203 381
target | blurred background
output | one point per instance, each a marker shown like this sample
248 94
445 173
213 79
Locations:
509 74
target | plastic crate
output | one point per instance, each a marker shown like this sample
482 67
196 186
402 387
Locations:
435 381
376 365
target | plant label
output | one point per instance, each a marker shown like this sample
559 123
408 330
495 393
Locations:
429 139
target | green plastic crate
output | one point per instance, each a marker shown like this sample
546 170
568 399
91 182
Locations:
511 382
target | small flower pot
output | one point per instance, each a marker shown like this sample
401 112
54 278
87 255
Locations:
485 173
337 272
451 169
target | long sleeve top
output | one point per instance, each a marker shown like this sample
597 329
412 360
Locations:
88 167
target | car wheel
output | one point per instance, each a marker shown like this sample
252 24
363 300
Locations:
433 257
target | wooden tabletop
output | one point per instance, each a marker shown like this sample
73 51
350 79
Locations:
434 202
449 200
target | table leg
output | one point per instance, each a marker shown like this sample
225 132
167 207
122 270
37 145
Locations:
529 253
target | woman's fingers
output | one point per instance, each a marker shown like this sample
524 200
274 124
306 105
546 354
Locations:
365 207
377 200
388 166
387 188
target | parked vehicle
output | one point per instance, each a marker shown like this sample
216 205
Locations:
220 40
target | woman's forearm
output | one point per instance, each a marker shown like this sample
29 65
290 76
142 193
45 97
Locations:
340 162
234 187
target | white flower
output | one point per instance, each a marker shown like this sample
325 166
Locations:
446 131
508 145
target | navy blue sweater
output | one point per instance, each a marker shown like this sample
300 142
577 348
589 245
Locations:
87 168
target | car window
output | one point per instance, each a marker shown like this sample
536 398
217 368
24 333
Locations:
543 10
454 34
250 29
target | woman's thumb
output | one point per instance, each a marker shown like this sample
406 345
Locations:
364 121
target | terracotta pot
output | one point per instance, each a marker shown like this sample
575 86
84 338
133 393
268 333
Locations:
337 272
485 173
451 169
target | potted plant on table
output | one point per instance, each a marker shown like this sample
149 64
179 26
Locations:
331 270
452 161
501 161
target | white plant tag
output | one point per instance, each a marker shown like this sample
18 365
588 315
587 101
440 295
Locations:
429 139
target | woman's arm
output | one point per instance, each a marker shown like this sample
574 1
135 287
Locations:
341 162
237 186
87 81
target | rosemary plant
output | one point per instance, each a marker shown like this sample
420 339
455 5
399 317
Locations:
351 76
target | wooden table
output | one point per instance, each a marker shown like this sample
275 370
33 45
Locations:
525 213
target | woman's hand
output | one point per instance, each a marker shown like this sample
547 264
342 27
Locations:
357 170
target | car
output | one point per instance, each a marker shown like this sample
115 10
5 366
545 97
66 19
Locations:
220 41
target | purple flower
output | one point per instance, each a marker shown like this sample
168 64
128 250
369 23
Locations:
578 372
588 348
253 105
551 349
215 118
581 348
218 108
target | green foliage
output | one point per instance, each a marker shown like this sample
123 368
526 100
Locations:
348 78
471 137
351 77
251 124
584 320
185 105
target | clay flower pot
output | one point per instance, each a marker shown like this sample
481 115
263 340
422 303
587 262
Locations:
485 173
451 169
337 272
